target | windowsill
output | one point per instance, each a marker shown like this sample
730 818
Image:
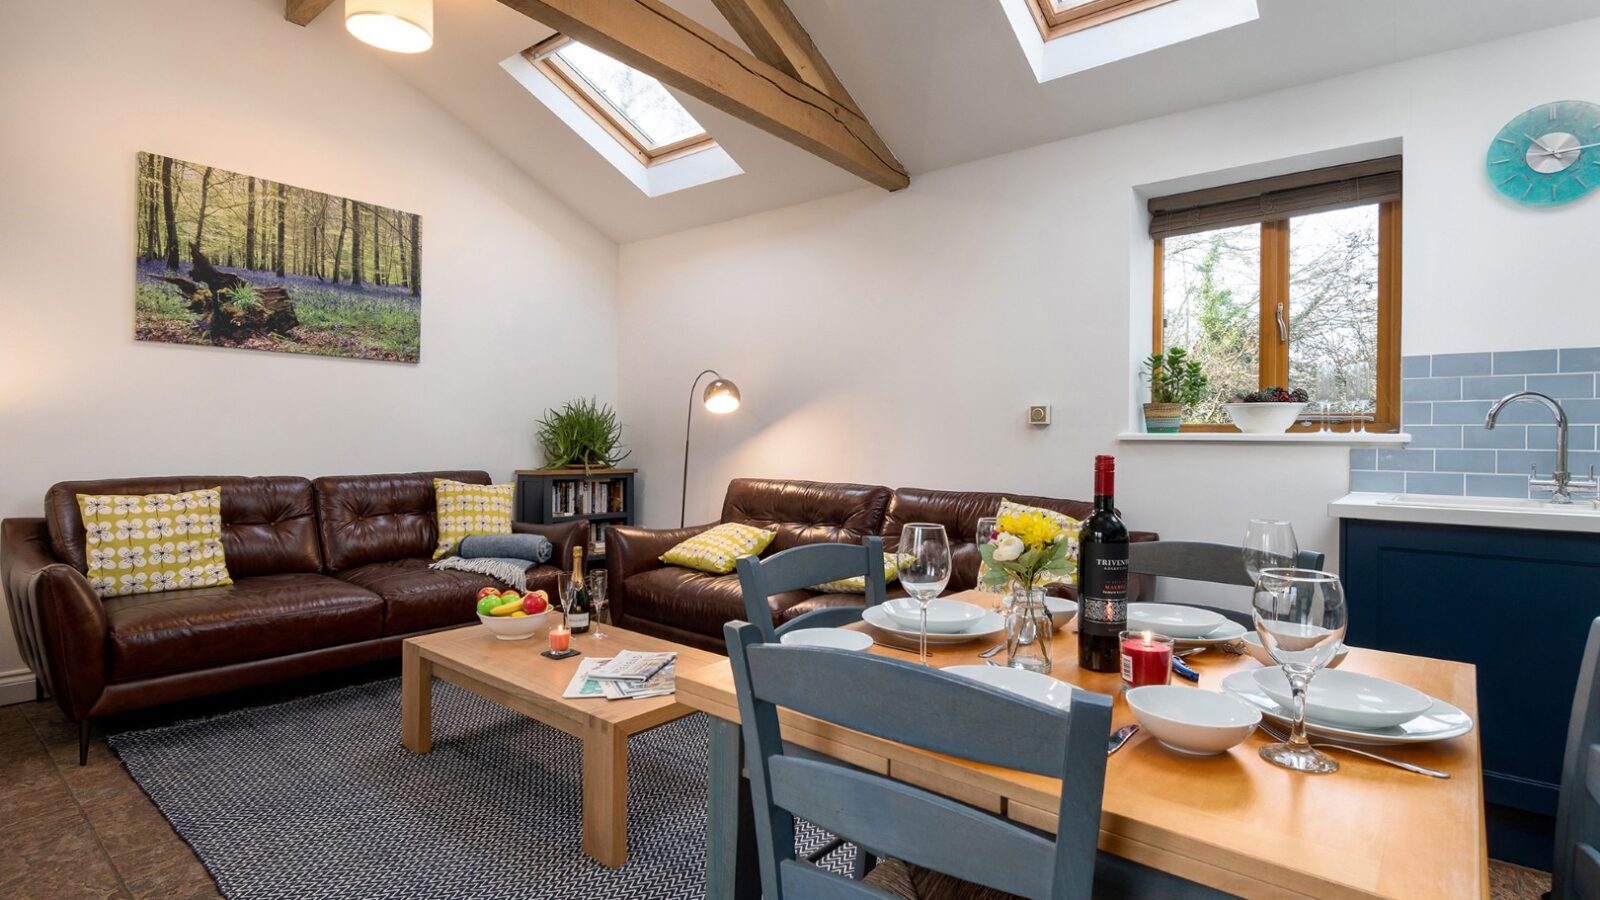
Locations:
1337 439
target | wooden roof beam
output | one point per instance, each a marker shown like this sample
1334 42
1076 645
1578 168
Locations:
302 12
662 42
777 38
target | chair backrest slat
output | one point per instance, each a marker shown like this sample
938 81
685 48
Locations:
1201 561
801 567
915 826
1576 872
911 704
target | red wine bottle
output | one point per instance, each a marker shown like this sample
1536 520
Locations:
1102 576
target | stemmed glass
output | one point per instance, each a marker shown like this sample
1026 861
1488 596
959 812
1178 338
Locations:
924 568
597 597
1301 617
1269 544
566 592
985 530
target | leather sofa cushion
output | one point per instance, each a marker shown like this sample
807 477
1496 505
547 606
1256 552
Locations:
377 518
417 598
829 601
694 600
254 618
806 512
269 524
958 512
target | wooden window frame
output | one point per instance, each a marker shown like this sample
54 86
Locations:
1273 361
1054 23
543 56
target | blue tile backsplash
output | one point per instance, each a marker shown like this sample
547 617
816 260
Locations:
1445 399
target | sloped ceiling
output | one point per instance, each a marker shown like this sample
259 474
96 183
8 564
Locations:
944 82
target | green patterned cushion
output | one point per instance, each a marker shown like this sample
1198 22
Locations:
154 542
858 584
1065 521
464 509
715 549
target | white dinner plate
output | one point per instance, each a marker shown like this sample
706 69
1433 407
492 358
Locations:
832 638
945 616
1032 685
991 624
1228 632
1173 620
1441 722
1348 699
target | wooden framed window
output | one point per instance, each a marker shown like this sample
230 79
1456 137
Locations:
1291 281
1058 17
631 106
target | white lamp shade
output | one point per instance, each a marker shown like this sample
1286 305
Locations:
401 26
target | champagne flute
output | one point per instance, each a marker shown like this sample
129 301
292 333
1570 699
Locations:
597 597
1301 616
1269 544
566 592
924 568
985 530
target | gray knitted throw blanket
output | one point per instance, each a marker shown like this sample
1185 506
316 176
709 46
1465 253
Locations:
513 572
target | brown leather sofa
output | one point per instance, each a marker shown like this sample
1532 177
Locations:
691 607
327 573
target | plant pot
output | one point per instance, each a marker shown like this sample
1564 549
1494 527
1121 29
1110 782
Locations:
1263 418
1163 418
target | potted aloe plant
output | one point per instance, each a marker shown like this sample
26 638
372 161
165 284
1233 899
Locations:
1176 381
582 432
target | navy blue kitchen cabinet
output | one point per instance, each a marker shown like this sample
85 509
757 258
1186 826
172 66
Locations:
1516 604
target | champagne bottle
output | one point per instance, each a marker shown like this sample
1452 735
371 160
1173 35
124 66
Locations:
1102 576
578 618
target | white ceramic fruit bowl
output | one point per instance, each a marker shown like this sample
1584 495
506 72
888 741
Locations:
514 628
1190 720
1263 418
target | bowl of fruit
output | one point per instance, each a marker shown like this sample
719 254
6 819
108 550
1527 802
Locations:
512 615
1267 411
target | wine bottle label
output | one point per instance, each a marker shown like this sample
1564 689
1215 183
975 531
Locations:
1103 583
578 620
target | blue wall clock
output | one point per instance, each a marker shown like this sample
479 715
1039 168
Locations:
1549 155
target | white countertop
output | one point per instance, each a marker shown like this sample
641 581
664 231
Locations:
1479 512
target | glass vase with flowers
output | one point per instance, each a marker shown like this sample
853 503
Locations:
1025 546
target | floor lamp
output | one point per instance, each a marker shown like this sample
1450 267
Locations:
721 397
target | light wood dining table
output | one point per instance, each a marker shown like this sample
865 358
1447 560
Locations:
1232 822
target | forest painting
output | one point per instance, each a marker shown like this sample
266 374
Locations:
230 260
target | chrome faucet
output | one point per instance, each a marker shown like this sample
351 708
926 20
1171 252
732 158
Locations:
1561 484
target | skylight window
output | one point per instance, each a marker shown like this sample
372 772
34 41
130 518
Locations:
1058 17
1062 37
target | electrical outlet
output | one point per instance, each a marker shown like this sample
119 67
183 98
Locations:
1039 415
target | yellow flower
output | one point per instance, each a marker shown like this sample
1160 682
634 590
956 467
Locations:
1034 529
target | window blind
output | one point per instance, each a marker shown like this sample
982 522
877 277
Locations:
1269 199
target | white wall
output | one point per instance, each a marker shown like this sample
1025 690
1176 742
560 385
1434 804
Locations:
897 338
519 294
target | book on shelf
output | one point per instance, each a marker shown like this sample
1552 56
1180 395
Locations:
586 498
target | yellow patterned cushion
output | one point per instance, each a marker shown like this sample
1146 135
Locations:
464 509
1062 520
715 549
858 584
154 542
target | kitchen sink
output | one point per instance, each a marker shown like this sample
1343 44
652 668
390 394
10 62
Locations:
1492 504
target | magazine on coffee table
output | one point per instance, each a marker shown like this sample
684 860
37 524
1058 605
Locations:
631 665
584 685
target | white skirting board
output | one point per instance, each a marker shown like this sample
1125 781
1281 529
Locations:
16 686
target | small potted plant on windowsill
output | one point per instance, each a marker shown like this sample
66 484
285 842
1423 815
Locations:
1176 381
1270 410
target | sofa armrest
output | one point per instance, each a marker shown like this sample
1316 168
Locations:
59 620
564 537
631 550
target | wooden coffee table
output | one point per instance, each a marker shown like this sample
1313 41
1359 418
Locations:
514 675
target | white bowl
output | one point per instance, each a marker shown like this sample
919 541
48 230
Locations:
945 616
1263 418
518 628
1348 699
832 638
1062 611
1252 646
1190 720
1032 685
1173 620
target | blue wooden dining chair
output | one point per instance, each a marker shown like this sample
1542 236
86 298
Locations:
801 567
1576 872
934 711
1204 561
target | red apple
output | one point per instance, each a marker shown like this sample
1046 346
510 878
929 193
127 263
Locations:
488 592
535 603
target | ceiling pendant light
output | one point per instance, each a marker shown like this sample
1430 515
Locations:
400 26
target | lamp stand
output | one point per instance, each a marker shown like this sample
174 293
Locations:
683 502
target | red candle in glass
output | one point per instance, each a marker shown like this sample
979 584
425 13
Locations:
1146 659
560 639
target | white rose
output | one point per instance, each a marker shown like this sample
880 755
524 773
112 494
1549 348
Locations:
1007 548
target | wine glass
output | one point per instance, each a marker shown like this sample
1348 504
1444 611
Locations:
985 530
1301 617
924 568
1269 544
597 597
566 592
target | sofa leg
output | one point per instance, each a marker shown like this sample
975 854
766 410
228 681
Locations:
83 742
38 691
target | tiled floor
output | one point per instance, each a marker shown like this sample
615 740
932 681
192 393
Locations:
68 832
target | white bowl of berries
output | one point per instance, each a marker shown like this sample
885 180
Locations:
1267 411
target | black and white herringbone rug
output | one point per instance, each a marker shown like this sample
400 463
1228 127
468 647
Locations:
316 798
